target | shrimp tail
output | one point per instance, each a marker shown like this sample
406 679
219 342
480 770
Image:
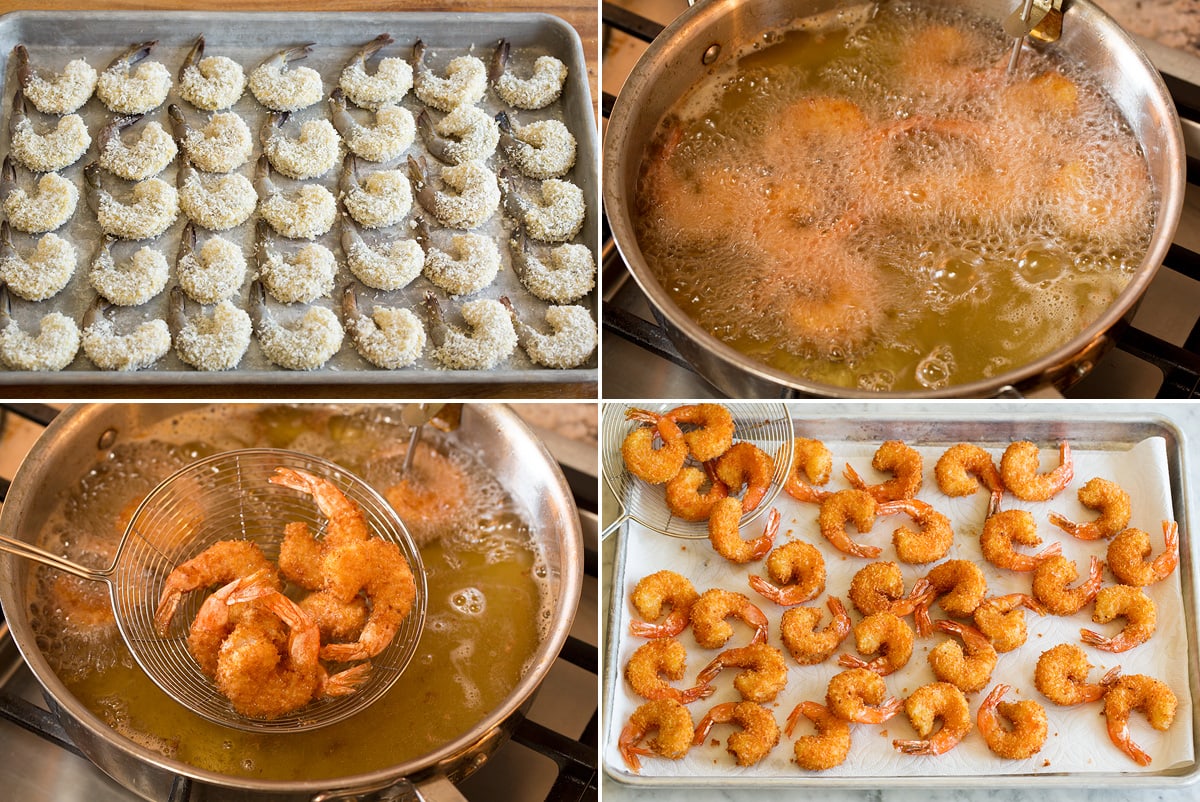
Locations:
1114 644
916 747
345 682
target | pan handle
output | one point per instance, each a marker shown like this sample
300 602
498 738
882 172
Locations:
437 788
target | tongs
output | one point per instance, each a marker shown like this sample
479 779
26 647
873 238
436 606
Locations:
1038 19
443 416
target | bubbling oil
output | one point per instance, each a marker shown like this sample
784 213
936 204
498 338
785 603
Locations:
489 605
867 200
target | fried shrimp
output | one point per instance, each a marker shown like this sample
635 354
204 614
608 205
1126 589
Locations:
153 208
1109 499
1122 601
999 533
41 273
902 461
490 340
651 594
143 91
299 277
1002 621
571 341
670 719
1019 469
131 283
686 500
958 585
149 155
215 202
108 350
724 532
566 274
465 81
45 152
963 468
763 676
468 265
845 506
310 155
860 696
710 430
709 614
391 337
219 564
44 209
212 82
221 146
540 89
52 348
808 645
1050 581
884 634
798 572
1061 676
305 213
215 340
745 465
60 93
1144 694
813 459
280 87
465 134
969 666
391 134
392 79
475 198
831 744
540 150
1028 725
655 659
879 588
213 273
1127 554
555 214
927 704
931 542
387 266
304 341
758 736
382 199
655 465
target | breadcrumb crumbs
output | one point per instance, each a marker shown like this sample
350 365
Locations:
392 79
53 348
477 198
215 341
213 274
572 341
281 88
217 202
557 216
567 275
53 150
542 149
155 206
47 208
538 90
43 273
473 133
222 145
470 264
391 135
299 278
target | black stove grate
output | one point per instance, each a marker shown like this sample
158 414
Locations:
1180 365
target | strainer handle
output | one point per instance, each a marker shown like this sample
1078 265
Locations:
23 549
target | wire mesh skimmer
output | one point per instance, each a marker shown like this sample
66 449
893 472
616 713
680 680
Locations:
767 426
226 497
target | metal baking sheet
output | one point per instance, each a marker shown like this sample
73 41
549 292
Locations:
53 38
994 431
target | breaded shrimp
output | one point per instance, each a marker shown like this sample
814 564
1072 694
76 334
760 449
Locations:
708 429
894 457
746 465
660 658
814 459
884 634
219 564
860 696
758 736
925 706
709 612
963 468
798 571
673 723
1112 503
1028 720
215 82
931 542
1003 622
1061 676
684 497
970 666
1143 693
571 341
763 676
537 91
843 506
999 532
1128 551
279 87
1050 582
958 585
1019 469
392 79
725 536
140 92
38 210
808 645
649 596
642 459
465 81
879 588
1130 603
831 744
61 93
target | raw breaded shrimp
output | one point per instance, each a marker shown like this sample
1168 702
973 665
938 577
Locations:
879 588
392 79
684 497
831 744
860 696
763 676
540 89
540 150
649 596
813 459
382 199
642 458
1002 620
1028 728
961 470
303 342
1122 601
1109 499
468 265
884 634
572 337
143 91
215 340
304 213
931 542
745 465
958 585
999 533
489 342
45 152
1142 693
724 532
1019 470
1050 581
391 337
673 723
927 704
808 645
388 266
391 134
146 344
60 93
213 273
153 207
222 145
554 214
219 564
281 87
212 82
1127 554
758 736
149 155
709 614
216 202
131 283
710 431
466 134
52 348
40 274
1061 676
299 277
968 666
655 659
567 275
465 81
798 571
844 506
310 155
899 459
475 198
44 209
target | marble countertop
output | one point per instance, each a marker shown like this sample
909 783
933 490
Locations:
1185 416
1174 23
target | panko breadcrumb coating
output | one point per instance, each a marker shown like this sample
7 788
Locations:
391 135
222 145
475 199
46 208
215 341
383 199
390 338
306 213
568 274
217 202
149 155
304 343
153 208
58 94
43 273
555 216
282 88
490 341
465 82
52 348
141 348
466 134
211 83
133 283
470 264
299 278
52 150
540 150
310 155
392 79
539 90
389 267
213 274
571 341
137 93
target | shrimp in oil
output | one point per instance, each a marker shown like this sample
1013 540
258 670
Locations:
1019 469
860 696
831 744
653 660
1051 579
724 534
808 645
746 465
814 459
963 468
219 564
642 459
763 675
686 500
1002 620
970 666
899 459
884 634
758 735
1144 694
931 542
709 612
1109 499
879 588
670 719
1061 676
798 572
651 594
1128 551
927 704
999 533
1028 722
1122 601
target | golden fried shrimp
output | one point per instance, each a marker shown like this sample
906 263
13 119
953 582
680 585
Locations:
1109 499
725 536
149 155
758 736
746 465
40 210
140 92
1061 676
219 564
999 533
337 620
1127 554
670 719
896 458
968 666
1142 693
539 90
958 585
684 497
709 612
1122 601
1050 581
815 460
1027 733
879 588
808 645
45 152
465 81
279 87
153 208
210 83
542 149
931 542
798 572
40 274
1019 469
216 619
763 676
649 596
963 468
653 660
884 634
310 155
708 429
841 507
642 459
392 79
831 744
927 704
222 145
1003 622
860 696
60 93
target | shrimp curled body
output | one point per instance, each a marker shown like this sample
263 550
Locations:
808 645
1029 725
758 736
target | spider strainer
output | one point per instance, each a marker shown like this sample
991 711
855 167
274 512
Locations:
228 497
768 426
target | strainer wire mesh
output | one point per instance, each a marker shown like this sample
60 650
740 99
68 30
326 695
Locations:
228 497
768 426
